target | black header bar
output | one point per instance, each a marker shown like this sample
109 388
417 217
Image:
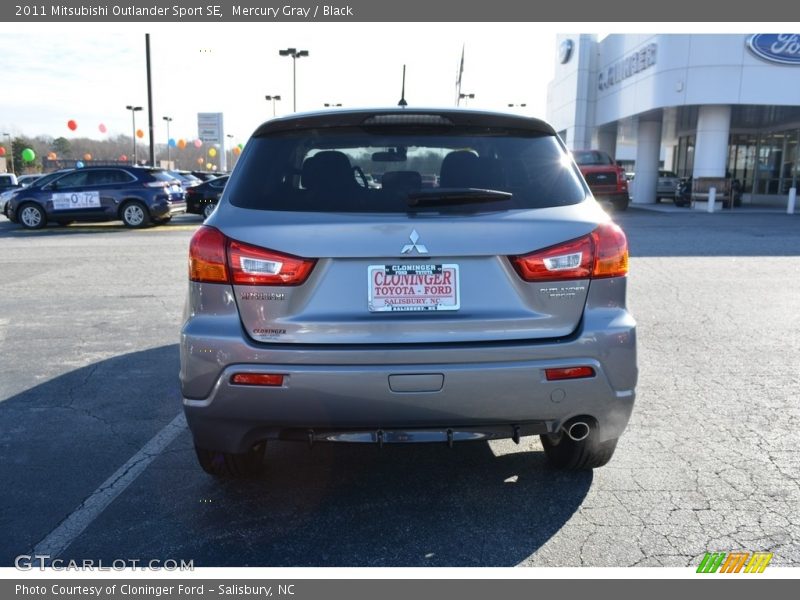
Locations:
263 11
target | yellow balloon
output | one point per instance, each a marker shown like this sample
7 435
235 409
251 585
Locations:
212 152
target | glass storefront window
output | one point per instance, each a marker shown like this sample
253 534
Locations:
777 162
742 159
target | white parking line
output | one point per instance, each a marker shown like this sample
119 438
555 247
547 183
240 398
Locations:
70 528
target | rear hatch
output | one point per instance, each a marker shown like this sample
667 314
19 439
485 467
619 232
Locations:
500 250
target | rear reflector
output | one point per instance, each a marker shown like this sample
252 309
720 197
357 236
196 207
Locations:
569 373
264 379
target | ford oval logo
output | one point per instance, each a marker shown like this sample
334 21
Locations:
781 48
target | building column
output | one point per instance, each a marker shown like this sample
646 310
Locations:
648 152
607 140
711 145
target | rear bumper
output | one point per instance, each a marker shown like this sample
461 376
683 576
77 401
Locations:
618 199
355 403
408 392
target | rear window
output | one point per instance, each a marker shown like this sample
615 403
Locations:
356 169
591 158
160 175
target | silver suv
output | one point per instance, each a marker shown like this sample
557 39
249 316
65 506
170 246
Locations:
322 308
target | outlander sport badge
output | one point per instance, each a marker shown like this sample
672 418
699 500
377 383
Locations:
408 248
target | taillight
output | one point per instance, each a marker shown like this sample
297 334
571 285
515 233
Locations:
622 182
207 256
571 260
213 258
602 253
251 265
610 251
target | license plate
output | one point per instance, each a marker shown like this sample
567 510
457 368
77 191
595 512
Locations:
71 201
423 287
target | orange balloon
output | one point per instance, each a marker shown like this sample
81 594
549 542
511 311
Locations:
51 156
139 133
181 143
200 161
237 151
87 156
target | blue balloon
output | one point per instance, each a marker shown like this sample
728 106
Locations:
172 142
79 164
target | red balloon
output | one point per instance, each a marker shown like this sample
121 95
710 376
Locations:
72 125
123 157
198 143
87 156
102 128
2 151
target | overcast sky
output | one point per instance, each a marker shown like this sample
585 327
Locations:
54 72
89 73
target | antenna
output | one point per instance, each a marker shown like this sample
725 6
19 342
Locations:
403 91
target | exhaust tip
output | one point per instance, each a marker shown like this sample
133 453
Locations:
578 431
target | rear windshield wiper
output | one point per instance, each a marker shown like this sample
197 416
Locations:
444 196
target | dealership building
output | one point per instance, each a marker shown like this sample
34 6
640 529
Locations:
710 105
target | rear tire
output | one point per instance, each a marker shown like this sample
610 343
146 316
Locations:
621 205
31 216
564 453
7 213
226 464
208 209
135 215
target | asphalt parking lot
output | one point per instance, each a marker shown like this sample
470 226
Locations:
97 462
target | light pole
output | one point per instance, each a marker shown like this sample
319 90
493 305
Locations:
295 54
11 150
273 98
523 105
230 164
168 120
134 110
332 105
464 97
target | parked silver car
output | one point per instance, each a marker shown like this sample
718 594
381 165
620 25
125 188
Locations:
322 309
667 185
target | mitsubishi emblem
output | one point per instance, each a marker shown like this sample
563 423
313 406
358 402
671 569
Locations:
408 248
